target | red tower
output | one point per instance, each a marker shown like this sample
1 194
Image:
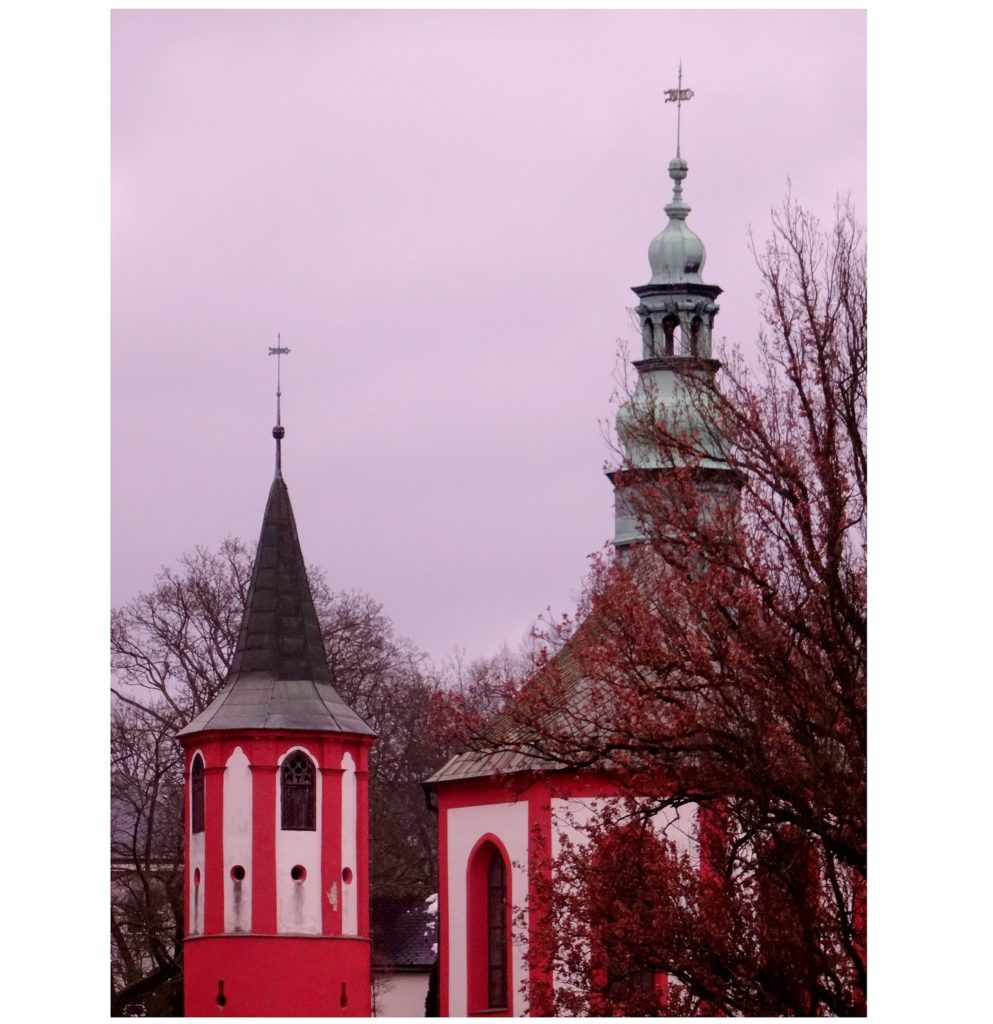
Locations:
276 816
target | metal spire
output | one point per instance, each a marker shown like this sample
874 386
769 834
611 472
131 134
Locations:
677 96
278 431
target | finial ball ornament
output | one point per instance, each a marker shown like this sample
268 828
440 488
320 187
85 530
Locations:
678 168
279 433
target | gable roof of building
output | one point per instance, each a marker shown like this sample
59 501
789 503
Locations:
513 753
404 933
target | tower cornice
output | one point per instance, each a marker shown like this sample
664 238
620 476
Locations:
710 291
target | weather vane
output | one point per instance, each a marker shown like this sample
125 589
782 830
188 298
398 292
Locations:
677 96
277 431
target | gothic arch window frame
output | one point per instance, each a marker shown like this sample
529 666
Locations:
297 796
197 799
489 925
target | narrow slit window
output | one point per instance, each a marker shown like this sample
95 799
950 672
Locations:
299 793
196 795
496 918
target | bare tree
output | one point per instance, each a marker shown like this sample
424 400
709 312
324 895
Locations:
170 651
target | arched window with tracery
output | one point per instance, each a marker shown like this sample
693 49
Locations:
489 930
298 790
196 795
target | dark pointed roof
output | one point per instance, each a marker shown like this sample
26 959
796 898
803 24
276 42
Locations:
279 677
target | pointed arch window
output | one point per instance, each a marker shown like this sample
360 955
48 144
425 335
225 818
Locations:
298 789
196 795
496 916
489 930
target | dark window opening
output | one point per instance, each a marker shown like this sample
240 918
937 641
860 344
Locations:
669 325
632 985
299 793
196 795
496 919
695 336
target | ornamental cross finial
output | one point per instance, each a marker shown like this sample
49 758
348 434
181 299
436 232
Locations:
677 96
278 431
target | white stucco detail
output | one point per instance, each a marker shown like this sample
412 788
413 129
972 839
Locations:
298 903
195 882
349 849
237 842
570 815
466 826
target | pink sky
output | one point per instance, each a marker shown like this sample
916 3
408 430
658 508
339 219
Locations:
443 214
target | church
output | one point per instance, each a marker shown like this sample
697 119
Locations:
276 802
503 816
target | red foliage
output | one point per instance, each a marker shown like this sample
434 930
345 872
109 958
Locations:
721 665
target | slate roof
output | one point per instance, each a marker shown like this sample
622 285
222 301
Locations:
472 764
404 934
279 676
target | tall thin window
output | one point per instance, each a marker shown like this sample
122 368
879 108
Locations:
299 793
496 919
196 795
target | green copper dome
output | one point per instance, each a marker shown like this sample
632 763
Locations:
676 254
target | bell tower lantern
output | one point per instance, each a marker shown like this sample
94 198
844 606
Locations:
676 310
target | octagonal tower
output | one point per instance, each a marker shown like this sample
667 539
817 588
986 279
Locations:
276 811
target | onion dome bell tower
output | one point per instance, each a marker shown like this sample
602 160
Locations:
677 310
276 811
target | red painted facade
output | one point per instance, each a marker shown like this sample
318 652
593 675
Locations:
276 976
537 791
265 972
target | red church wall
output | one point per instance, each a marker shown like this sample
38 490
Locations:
443 926
540 794
213 827
277 976
263 844
331 852
265 972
